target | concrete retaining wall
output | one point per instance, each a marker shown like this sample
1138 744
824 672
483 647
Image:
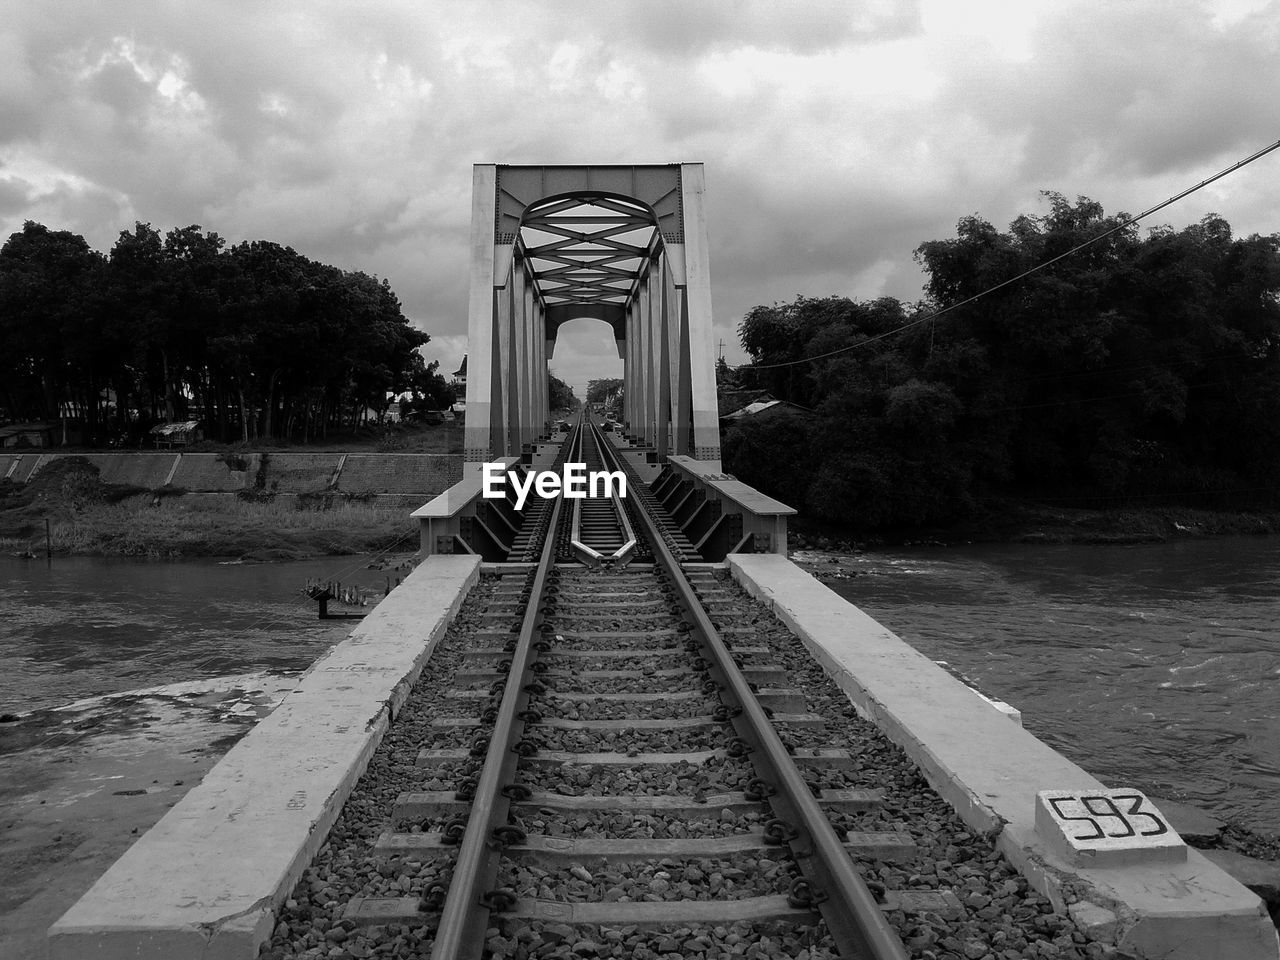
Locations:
20 466
300 472
149 470
416 476
399 472
206 473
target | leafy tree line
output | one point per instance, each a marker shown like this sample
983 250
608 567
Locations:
255 339
560 395
607 391
1140 369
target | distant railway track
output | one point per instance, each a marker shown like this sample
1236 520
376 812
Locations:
601 530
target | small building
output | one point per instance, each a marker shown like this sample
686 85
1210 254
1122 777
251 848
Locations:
460 376
766 406
26 435
731 399
182 433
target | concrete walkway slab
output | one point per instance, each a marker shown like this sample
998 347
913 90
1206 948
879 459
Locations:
206 880
990 771
1193 824
1260 876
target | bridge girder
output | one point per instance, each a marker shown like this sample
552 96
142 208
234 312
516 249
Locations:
626 245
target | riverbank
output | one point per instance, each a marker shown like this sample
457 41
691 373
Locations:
293 513
280 505
1151 666
1031 522
836 569
84 781
220 527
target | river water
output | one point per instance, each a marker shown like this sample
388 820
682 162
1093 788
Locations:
1155 666
82 627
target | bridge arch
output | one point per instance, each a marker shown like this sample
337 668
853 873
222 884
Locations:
555 322
622 244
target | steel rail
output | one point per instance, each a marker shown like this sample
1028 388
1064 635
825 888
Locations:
624 554
854 919
587 555
465 916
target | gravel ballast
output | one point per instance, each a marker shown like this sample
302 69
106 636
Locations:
999 916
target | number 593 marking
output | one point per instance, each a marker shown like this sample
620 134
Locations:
1102 809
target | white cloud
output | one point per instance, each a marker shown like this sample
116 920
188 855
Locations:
448 351
562 66
836 137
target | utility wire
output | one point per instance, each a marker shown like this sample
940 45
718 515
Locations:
1025 273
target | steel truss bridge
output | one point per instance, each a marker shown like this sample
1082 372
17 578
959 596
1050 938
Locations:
626 245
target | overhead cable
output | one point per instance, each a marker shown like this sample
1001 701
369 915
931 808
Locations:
1026 273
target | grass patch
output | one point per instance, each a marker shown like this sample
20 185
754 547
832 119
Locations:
230 527
90 518
64 489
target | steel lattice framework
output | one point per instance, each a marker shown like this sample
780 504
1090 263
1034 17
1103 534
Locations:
595 253
626 245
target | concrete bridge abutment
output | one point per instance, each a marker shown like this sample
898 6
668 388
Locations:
627 245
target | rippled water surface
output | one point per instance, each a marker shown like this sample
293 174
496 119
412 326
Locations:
1154 665
81 627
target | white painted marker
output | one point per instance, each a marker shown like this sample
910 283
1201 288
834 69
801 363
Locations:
1106 828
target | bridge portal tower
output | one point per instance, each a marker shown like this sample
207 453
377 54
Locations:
626 245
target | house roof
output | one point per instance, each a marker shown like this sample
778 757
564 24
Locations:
462 370
169 429
751 409
728 400
760 406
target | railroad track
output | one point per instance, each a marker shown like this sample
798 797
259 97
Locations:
601 531
618 766
632 778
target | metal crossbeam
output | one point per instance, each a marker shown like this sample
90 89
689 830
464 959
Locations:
622 244
592 265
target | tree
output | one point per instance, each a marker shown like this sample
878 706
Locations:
608 392
560 394
257 340
49 282
1136 367
604 390
429 389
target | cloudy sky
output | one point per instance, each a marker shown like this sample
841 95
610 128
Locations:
836 136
